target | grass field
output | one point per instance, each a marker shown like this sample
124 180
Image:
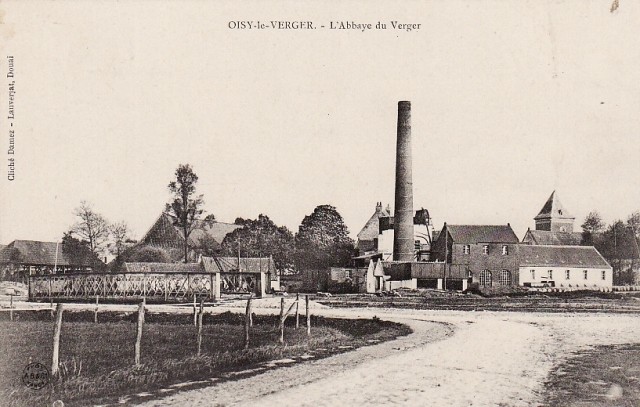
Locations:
602 376
97 359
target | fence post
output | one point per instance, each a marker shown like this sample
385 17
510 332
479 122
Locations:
95 314
56 340
281 320
306 299
195 312
297 312
200 314
139 334
213 291
11 307
247 323
166 291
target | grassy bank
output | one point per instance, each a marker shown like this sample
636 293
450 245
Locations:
97 359
602 376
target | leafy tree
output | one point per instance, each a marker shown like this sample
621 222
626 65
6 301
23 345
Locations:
260 238
592 225
207 246
91 227
210 219
613 244
323 240
633 221
79 253
148 254
142 254
186 207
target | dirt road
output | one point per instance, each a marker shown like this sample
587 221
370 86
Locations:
491 359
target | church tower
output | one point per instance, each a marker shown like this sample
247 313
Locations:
553 217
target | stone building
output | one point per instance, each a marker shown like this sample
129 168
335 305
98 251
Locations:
566 267
487 253
619 246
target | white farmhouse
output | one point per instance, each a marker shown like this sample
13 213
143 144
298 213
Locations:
568 267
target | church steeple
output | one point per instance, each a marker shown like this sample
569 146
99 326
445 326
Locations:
553 217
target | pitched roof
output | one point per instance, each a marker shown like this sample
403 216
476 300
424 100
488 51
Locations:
247 264
370 229
553 209
544 237
36 253
216 230
566 256
472 234
139 267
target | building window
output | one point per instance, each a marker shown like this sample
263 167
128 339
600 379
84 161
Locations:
533 274
505 250
586 274
485 278
485 249
466 249
550 275
567 274
505 277
604 275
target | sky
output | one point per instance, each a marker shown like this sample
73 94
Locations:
510 101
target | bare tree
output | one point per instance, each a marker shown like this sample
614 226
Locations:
91 227
119 236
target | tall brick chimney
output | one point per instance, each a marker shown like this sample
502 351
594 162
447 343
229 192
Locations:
403 244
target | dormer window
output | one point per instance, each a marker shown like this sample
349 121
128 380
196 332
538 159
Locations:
466 249
485 249
505 250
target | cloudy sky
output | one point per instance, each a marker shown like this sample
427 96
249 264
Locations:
511 100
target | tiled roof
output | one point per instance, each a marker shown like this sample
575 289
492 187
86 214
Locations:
567 256
553 209
36 253
138 267
247 264
472 234
544 237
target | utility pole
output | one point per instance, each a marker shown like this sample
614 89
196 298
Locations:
446 255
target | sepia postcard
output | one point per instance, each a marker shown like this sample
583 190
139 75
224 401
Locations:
303 203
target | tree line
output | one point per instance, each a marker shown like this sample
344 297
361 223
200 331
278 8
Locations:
616 243
322 239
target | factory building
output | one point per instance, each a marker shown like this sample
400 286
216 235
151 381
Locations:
403 251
